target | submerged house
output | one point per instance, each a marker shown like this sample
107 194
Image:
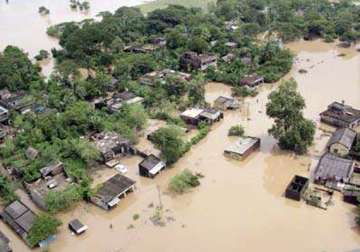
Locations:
224 103
228 57
341 116
194 116
53 179
17 101
120 99
297 187
193 61
341 142
4 114
231 25
252 80
151 166
243 147
111 191
77 227
151 78
147 48
159 41
231 45
332 169
111 144
19 218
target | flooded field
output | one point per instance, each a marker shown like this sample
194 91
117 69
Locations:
240 204
21 24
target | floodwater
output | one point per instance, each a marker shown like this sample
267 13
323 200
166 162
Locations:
240 204
21 24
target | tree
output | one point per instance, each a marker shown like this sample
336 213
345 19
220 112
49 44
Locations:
198 44
43 227
7 192
57 201
285 106
16 70
169 141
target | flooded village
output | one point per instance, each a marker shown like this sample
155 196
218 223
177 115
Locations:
253 195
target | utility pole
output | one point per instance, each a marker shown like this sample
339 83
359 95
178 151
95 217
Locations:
159 196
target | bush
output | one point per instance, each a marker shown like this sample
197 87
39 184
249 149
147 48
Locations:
184 181
236 130
43 227
241 91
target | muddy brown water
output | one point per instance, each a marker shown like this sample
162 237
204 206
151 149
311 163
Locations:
240 204
21 24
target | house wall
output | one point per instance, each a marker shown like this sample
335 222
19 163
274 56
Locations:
97 201
339 150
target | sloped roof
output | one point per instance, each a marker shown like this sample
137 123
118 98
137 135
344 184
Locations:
344 136
150 162
333 167
114 187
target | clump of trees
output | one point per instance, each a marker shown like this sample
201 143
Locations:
43 227
57 201
43 10
169 141
7 191
236 130
183 181
43 54
84 5
291 129
16 70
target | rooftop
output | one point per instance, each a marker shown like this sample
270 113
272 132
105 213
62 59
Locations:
333 167
242 145
342 112
19 217
192 113
150 162
113 187
344 136
106 141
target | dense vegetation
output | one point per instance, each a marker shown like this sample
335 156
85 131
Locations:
44 226
7 192
285 106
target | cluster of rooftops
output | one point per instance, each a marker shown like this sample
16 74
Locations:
336 168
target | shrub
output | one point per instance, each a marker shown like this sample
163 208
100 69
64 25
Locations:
241 91
236 130
184 181
43 227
